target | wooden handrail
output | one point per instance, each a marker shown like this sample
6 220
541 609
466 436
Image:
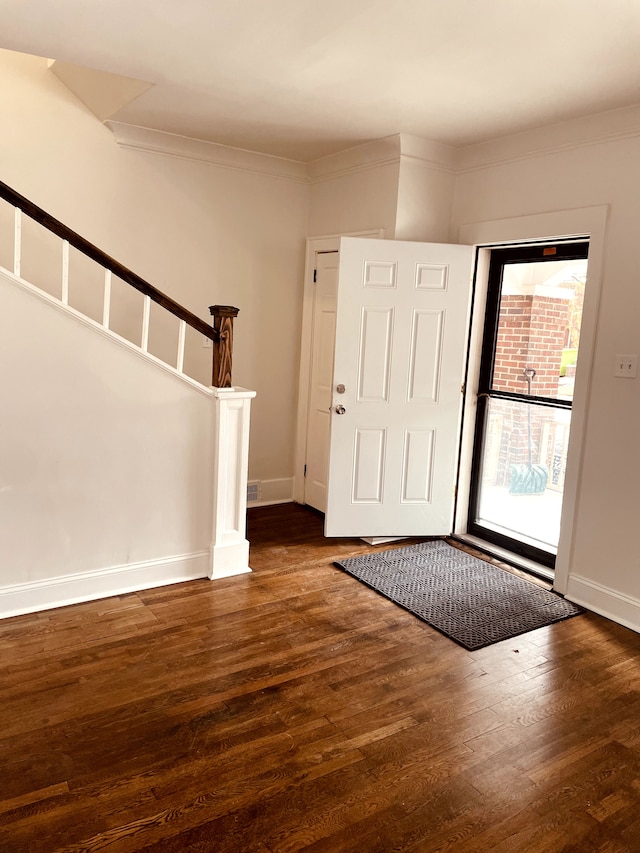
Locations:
56 227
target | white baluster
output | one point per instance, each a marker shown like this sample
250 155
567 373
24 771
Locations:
182 335
65 272
106 305
17 241
145 323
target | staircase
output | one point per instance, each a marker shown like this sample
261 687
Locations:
118 469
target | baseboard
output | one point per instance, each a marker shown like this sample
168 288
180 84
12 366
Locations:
271 503
229 559
270 492
607 602
102 583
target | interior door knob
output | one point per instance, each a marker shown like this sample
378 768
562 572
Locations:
340 410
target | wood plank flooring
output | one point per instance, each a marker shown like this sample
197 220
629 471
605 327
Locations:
295 709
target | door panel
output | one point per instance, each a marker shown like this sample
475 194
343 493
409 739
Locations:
401 332
368 467
425 356
417 468
374 361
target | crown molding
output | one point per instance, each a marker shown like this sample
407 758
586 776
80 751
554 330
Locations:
595 129
383 152
369 155
430 154
198 150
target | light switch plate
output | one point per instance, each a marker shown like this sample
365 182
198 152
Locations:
626 365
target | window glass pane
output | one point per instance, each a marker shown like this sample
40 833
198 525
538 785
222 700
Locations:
539 327
522 471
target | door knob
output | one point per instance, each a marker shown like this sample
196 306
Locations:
340 410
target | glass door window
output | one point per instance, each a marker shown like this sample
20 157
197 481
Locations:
530 351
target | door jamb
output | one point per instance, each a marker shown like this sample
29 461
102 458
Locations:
581 222
327 243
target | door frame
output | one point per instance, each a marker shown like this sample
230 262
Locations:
327 243
587 222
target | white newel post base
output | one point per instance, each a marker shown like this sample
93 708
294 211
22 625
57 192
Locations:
229 545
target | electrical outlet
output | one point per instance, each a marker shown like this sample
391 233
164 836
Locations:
626 366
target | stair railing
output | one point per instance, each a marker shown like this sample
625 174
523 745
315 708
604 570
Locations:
221 334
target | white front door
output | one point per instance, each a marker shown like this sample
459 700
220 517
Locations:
401 341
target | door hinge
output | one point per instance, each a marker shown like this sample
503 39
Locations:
315 276
463 387
305 470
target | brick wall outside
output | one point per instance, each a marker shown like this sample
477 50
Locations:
531 333
512 344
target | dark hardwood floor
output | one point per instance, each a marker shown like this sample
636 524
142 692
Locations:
295 709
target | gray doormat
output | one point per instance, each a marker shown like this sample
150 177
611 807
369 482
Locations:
470 601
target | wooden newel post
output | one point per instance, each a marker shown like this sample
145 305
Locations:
223 316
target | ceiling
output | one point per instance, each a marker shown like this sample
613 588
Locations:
305 78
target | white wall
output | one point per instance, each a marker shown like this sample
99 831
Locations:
106 463
204 234
356 190
425 190
425 196
605 566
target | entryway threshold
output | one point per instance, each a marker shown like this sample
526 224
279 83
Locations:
510 557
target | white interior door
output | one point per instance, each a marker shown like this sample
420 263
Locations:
401 337
323 335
